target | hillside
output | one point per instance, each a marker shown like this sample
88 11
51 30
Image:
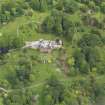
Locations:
69 75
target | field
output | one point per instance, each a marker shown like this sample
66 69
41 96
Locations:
71 75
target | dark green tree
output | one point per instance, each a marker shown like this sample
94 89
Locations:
52 93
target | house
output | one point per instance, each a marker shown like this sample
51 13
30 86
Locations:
44 45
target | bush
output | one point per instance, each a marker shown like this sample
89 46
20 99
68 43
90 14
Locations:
91 40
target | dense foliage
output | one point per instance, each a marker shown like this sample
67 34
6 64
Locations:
72 75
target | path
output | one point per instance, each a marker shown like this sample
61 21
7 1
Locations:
43 82
4 90
28 87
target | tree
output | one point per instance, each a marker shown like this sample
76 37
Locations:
103 7
68 28
52 93
24 70
80 62
59 24
70 6
43 5
91 40
92 56
53 23
67 6
35 4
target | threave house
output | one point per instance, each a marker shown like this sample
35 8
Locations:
44 45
